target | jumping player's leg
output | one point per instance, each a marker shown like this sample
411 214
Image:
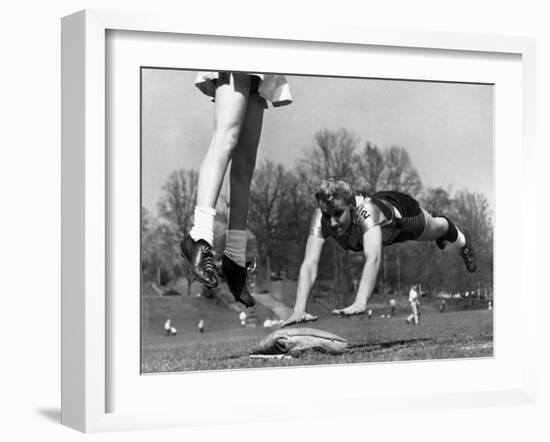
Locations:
229 114
442 230
244 162
242 168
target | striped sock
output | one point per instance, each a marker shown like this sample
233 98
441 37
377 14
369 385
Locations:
453 235
235 246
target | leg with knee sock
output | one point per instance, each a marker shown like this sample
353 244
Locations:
203 224
234 266
235 246
196 247
461 241
453 236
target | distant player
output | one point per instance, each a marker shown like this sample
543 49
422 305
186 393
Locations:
364 223
167 327
442 306
242 318
200 326
413 302
467 298
471 299
393 306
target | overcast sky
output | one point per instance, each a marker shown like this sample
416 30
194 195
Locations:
446 128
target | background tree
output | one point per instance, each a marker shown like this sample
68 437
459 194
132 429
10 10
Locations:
295 212
437 199
149 266
399 174
159 251
264 215
177 204
473 214
331 154
370 165
161 261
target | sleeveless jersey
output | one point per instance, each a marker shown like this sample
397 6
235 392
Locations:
367 213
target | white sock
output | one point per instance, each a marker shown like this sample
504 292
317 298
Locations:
460 240
235 246
203 224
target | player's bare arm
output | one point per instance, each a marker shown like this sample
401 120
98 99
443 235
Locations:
372 248
308 275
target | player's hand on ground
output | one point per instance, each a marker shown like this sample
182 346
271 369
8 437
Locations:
353 309
296 318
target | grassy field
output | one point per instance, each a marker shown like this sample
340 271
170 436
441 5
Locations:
453 334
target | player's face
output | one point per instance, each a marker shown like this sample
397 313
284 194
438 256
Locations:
338 215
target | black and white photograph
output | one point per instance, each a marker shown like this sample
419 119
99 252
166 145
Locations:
294 220
302 222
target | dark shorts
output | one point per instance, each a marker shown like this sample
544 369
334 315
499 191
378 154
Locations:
412 221
224 78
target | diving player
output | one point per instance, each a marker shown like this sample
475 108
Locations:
365 224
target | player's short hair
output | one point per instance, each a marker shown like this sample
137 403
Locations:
334 188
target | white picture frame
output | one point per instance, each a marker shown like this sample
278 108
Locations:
85 214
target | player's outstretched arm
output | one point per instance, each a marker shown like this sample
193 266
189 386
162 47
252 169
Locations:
372 247
308 274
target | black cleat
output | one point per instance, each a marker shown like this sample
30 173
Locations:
201 260
468 253
235 276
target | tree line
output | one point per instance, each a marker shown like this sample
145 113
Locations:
282 203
